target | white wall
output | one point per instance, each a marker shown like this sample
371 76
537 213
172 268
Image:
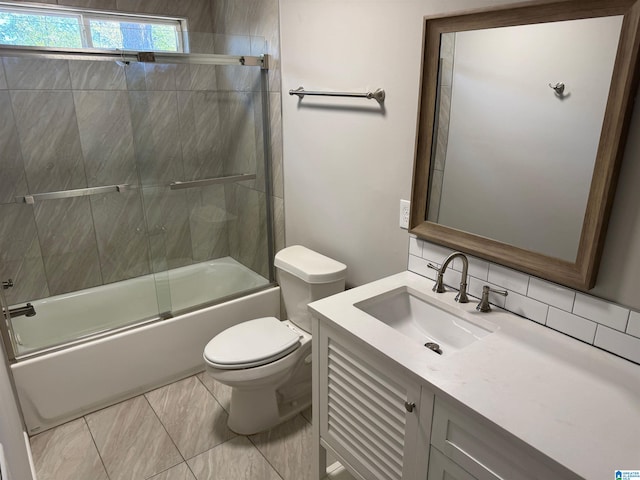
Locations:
345 170
347 167
11 432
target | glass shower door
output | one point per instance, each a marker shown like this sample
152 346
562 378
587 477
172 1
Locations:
97 229
203 182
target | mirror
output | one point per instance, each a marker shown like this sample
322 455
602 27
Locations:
522 123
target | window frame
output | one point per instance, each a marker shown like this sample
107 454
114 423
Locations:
85 16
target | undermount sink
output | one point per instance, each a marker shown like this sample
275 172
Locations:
406 311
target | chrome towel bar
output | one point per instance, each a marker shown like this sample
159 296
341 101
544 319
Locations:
78 192
83 192
211 181
377 95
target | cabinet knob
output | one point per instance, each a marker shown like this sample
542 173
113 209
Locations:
409 406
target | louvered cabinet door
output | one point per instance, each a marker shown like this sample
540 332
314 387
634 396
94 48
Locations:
370 413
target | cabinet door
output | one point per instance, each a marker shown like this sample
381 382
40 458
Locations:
443 468
369 410
486 451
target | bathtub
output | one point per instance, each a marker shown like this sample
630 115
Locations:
69 382
64 318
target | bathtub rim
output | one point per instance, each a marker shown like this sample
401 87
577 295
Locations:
132 326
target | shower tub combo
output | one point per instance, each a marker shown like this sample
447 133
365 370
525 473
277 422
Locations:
197 216
68 382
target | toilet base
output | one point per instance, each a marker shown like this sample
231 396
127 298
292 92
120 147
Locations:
254 411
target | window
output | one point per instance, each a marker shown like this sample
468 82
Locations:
67 28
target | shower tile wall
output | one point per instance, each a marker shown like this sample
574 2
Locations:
75 124
254 19
198 109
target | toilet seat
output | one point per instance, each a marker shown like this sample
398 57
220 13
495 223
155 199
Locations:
251 344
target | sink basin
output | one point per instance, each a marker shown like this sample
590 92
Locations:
406 311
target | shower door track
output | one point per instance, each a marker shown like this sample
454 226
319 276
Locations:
130 56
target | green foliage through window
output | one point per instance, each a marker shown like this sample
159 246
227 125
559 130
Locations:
40 30
62 29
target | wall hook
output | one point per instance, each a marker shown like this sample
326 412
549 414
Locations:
559 88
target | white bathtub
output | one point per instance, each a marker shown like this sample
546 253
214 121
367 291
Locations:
70 316
56 387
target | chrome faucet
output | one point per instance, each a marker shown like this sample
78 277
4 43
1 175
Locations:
439 285
28 311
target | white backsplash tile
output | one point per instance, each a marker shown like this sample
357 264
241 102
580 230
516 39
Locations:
477 267
452 278
633 328
615 342
415 247
602 312
527 307
435 253
551 294
572 325
419 265
509 279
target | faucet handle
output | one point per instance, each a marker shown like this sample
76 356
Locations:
438 287
484 305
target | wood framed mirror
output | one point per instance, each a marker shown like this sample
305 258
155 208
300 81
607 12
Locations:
522 125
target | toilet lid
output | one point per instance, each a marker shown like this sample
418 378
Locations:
250 344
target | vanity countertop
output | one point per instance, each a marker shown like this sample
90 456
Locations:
572 402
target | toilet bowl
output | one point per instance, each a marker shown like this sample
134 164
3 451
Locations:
267 362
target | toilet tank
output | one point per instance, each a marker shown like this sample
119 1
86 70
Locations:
306 276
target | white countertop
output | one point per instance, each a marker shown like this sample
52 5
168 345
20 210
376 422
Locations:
574 403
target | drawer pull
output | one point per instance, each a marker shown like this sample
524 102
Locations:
409 406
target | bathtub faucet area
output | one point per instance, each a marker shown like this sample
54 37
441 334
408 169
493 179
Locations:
28 311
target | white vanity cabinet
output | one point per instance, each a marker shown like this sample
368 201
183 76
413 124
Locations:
520 403
443 468
472 447
372 415
385 424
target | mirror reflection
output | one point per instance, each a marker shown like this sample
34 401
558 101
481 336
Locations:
519 114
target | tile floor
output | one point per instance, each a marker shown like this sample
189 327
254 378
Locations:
177 432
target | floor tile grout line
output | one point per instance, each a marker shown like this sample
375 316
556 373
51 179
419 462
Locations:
84 419
167 469
211 393
184 459
265 457
191 470
164 428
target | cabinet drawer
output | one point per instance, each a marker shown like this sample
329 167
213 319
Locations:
485 452
443 468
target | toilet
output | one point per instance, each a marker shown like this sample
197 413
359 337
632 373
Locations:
267 362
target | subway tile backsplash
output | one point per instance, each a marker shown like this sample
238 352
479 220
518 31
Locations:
634 324
600 323
600 311
552 294
572 325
